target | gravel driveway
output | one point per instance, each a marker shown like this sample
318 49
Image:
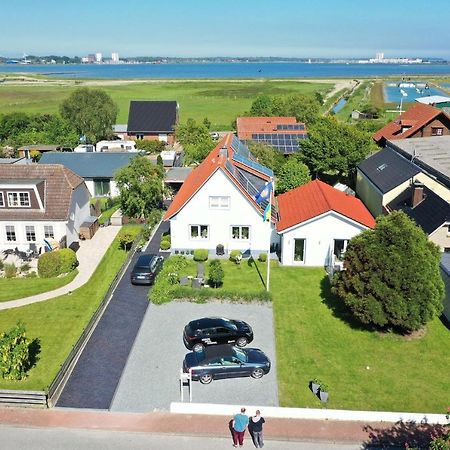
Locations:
150 380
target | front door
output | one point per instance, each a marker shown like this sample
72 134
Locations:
299 251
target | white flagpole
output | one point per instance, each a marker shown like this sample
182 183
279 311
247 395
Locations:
270 235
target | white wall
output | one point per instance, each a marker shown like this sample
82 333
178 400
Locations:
319 233
113 185
79 211
240 212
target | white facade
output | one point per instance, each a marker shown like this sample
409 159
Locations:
120 145
93 187
219 213
319 235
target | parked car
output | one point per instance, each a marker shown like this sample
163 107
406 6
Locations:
146 268
216 330
214 135
226 361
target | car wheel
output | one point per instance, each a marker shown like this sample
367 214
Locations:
257 373
206 379
242 342
198 347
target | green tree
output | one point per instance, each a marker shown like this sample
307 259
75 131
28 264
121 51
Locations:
141 187
391 276
207 123
12 124
293 173
267 155
92 113
262 106
335 148
216 273
150 147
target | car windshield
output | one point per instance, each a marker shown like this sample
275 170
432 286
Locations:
240 354
229 324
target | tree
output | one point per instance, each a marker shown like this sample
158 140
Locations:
216 273
266 155
262 106
150 147
207 123
335 148
293 173
391 276
141 187
92 112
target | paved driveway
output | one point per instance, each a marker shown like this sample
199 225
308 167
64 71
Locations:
150 380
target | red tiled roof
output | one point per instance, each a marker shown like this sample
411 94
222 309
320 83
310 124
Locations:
415 117
198 177
246 126
316 198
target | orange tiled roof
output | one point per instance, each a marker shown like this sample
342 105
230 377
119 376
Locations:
246 126
316 198
415 118
216 160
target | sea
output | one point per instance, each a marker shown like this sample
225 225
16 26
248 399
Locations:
228 70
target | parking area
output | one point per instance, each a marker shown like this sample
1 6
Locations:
150 380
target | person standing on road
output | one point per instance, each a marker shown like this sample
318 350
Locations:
240 422
256 429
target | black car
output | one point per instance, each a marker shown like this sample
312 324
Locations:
146 268
216 330
226 361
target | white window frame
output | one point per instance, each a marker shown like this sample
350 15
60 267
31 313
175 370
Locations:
240 238
48 235
437 131
304 251
30 229
199 237
18 205
219 202
2 200
13 231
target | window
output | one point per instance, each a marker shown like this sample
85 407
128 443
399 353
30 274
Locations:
199 231
299 250
10 233
30 233
102 187
139 137
435 131
217 202
18 199
240 232
2 200
48 232
340 246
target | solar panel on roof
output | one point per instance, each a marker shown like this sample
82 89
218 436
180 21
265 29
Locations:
252 164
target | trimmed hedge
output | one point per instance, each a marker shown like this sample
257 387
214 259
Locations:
52 264
204 294
262 257
68 260
200 254
236 256
165 245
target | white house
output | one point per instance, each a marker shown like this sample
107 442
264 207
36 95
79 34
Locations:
40 201
216 205
316 221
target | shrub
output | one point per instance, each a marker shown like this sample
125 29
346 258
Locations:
154 217
49 265
200 254
126 240
68 260
208 293
216 273
150 146
165 245
32 274
10 270
236 256
2 265
14 353
25 267
262 257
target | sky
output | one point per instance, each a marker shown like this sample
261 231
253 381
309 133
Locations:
202 28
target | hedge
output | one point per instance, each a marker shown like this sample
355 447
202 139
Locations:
200 254
68 260
236 256
52 264
262 257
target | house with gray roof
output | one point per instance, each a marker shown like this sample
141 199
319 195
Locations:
40 204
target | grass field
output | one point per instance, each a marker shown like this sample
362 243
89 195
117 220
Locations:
58 323
357 100
220 101
13 288
316 337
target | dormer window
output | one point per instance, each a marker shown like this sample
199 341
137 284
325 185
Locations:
2 200
382 167
19 199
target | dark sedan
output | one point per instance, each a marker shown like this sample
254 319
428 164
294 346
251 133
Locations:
226 361
146 268
216 330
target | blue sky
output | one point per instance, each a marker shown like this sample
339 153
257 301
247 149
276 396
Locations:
298 28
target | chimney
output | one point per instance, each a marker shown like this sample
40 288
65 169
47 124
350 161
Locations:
417 193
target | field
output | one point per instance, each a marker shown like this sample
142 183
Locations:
220 101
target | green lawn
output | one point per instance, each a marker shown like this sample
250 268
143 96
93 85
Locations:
59 322
357 100
316 337
221 101
12 288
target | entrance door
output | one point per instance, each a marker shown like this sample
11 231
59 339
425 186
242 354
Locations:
299 250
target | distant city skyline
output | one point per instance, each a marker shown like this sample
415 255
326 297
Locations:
251 28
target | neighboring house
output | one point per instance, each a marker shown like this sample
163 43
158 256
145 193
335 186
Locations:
445 273
40 201
116 146
216 204
22 160
283 133
25 150
438 101
120 130
175 177
316 221
152 120
418 121
97 169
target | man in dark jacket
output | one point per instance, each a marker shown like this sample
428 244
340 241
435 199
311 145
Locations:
256 428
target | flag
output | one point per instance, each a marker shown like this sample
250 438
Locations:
267 212
264 193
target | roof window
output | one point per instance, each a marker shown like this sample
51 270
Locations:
382 167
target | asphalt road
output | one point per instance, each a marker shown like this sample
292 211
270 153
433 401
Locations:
96 375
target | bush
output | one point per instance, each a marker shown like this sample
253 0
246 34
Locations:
32 274
68 260
2 265
208 293
126 239
200 254
216 273
49 265
25 268
10 270
154 217
150 146
165 245
262 257
236 256
14 353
